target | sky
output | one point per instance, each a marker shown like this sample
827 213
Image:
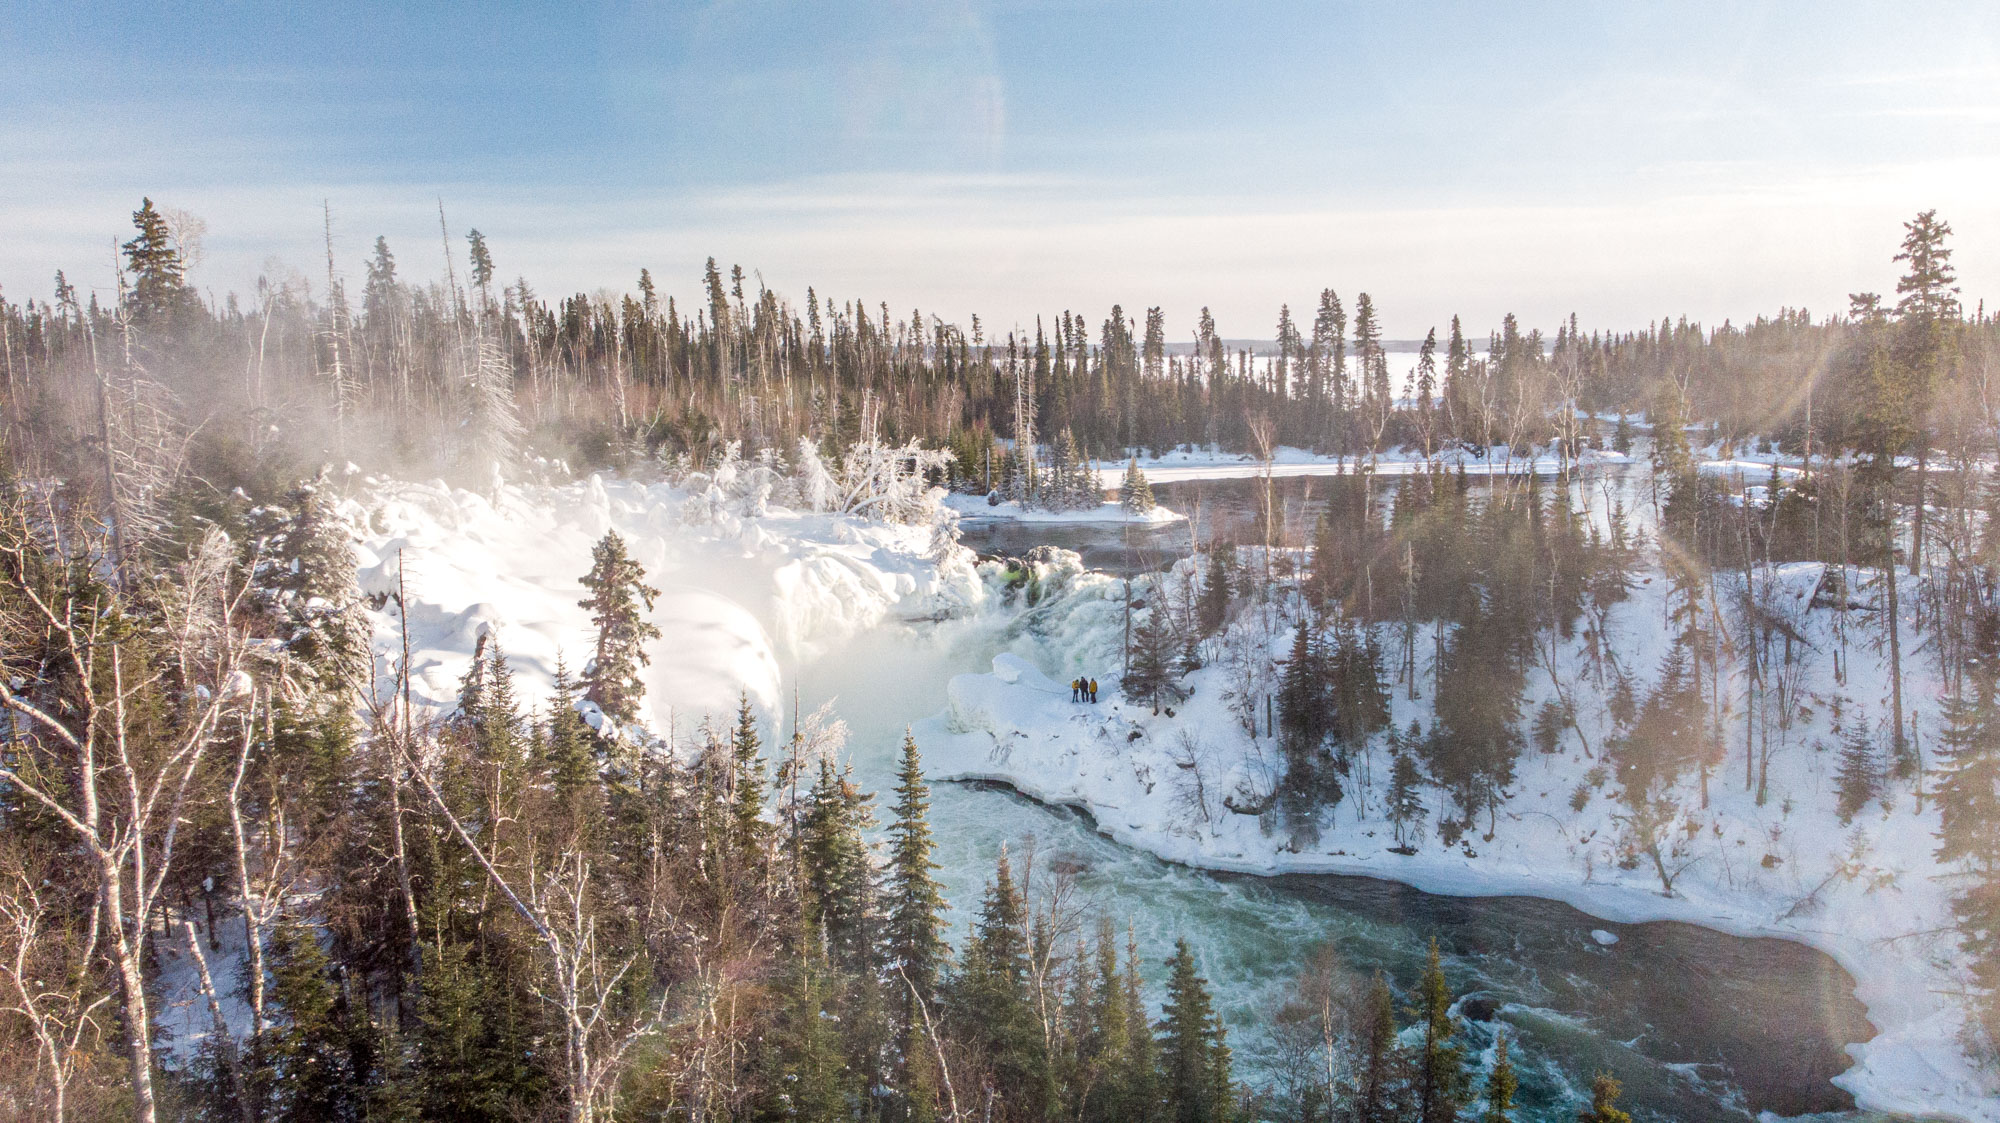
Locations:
1619 161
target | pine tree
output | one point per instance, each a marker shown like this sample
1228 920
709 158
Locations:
1603 1103
1860 776
1138 1079
1380 1080
746 787
1501 1083
989 1000
1306 718
565 755
618 597
1442 1088
804 1073
1406 800
915 922
839 877
317 1062
481 262
1149 672
159 276
1212 609
1194 1054
302 578
1135 495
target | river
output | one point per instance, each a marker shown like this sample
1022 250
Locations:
1697 1024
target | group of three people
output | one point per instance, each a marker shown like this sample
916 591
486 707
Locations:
1083 689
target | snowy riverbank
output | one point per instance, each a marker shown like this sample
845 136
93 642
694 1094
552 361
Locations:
1186 784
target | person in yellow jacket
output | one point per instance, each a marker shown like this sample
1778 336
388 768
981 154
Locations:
1075 688
1093 691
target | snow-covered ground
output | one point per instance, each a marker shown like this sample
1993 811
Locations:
1869 893
741 596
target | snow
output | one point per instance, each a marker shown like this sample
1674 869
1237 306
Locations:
1868 894
740 597
1603 938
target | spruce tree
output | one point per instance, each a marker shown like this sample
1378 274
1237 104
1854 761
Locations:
1150 664
1441 1084
1306 719
1135 494
159 276
1194 1054
1860 776
473 1061
1380 1077
302 578
915 922
804 1071
989 999
1355 686
317 1061
839 876
1106 1037
1501 1083
1603 1103
746 787
1406 800
1212 608
619 597
1138 1079
565 756
480 260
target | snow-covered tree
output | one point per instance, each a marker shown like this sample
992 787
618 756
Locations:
1135 494
619 598
492 424
303 581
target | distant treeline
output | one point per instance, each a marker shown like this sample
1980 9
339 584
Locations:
448 377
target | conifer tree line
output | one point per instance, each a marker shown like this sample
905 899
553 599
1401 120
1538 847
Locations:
460 374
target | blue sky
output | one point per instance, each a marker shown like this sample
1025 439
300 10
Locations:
1622 161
